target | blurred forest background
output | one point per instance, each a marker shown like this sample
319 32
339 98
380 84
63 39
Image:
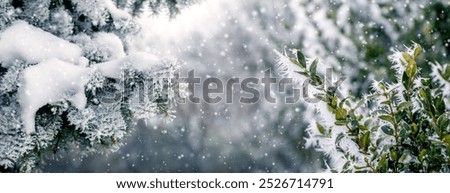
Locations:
227 39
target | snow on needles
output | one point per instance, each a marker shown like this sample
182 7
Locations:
59 72
110 43
33 45
120 17
140 61
48 82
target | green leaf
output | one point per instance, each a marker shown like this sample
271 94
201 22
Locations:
341 122
388 130
362 127
367 122
446 139
316 80
411 66
445 72
404 105
394 154
341 114
313 66
293 60
301 59
425 97
405 80
334 102
346 165
408 58
388 102
382 163
422 93
352 115
338 139
364 142
444 122
422 155
411 69
320 128
387 118
439 104
417 51
404 125
405 155
408 130
302 73
425 81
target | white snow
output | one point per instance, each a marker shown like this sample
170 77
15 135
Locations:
440 80
115 12
61 72
111 43
55 80
26 42
140 61
120 17
48 82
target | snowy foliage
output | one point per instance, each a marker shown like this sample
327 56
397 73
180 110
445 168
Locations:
19 42
440 74
230 38
356 37
236 39
399 127
49 82
60 62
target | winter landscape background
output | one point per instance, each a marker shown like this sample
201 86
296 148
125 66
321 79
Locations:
227 39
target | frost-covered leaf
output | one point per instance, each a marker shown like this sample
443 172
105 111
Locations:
301 59
342 122
417 50
364 142
411 69
387 102
408 58
388 130
320 128
313 66
387 118
445 73
404 105
382 163
341 114
444 122
334 102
